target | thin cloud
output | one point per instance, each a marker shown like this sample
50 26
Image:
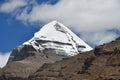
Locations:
81 15
12 5
4 58
98 38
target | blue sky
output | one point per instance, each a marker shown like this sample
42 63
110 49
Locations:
13 32
96 22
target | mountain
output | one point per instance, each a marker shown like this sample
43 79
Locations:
53 38
52 43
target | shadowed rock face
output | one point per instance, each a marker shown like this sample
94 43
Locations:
103 63
22 52
24 61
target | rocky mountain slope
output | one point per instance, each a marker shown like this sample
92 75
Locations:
103 63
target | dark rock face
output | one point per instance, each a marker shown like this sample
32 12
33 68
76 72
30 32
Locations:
21 53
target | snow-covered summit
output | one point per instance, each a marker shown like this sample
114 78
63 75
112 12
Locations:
59 39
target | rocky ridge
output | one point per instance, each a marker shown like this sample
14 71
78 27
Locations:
102 63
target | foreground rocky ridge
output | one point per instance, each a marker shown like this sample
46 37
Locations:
103 63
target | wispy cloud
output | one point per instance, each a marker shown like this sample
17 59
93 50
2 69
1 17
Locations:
12 5
82 15
4 58
95 17
98 38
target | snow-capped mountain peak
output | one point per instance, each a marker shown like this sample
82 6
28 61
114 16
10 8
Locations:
59 39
